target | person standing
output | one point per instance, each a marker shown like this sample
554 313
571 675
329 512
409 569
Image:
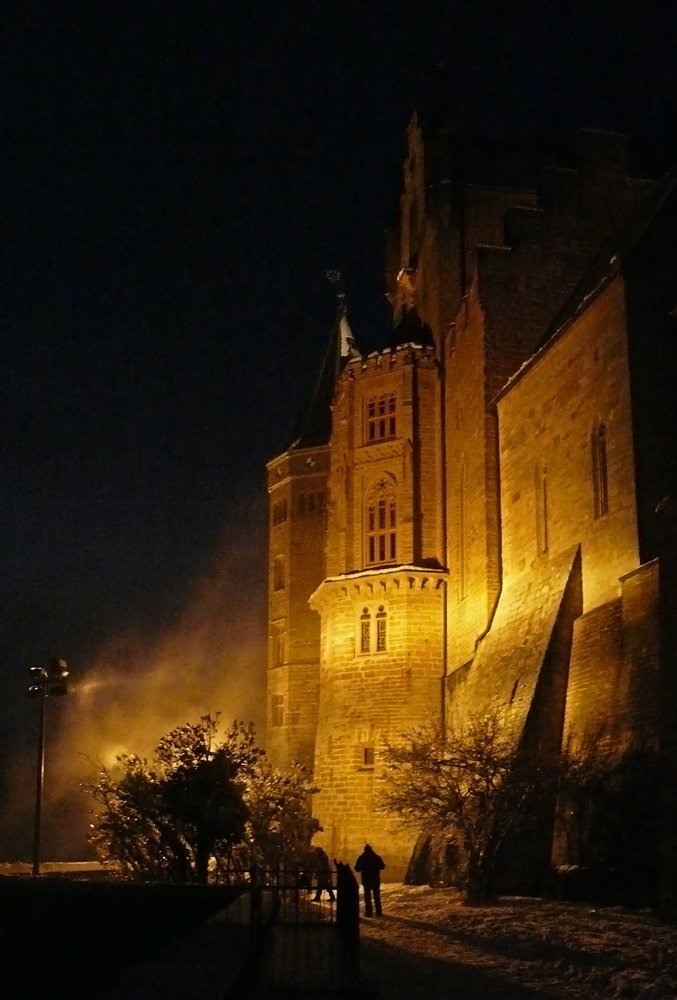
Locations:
323 869
370 865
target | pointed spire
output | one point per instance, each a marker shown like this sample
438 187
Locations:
345 342
347 347
313 427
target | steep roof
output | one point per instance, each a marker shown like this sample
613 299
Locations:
313 425
610 257
603 268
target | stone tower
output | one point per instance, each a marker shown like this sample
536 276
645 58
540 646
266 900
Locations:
297 524
382 603
297 487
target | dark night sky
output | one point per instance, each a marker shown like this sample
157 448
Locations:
175 179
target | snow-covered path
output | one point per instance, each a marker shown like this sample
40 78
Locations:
427 944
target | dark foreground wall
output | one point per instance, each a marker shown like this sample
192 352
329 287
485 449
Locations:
70 939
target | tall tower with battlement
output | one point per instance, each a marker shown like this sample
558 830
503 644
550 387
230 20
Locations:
382 603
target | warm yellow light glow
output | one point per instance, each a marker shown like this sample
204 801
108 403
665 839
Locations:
141 686
110 755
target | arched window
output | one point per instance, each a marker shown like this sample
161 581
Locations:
373 640
381 619
381 417
278 573
365 631
381 524
599 470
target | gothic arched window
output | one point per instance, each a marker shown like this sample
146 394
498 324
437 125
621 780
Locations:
599 470
370 640
381 619
381 524
365 631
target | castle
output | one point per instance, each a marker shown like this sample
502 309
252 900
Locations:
479 514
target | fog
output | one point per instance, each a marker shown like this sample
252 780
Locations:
143 683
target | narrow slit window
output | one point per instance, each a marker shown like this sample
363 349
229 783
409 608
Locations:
278 648
542 507
368 757
600 471
462 528
302 505
278 573
277 714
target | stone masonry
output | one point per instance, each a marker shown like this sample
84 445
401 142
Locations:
465 538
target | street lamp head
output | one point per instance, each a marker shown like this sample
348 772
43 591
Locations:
58 669
51 681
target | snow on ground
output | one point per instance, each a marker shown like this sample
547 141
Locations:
429 944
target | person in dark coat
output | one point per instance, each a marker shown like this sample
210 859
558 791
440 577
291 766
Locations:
323 878
370 865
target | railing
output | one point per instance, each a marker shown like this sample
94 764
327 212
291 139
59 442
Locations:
303 928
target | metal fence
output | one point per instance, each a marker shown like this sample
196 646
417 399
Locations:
304 930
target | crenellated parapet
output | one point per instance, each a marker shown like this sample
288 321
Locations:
367 584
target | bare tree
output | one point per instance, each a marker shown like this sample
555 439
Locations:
471 784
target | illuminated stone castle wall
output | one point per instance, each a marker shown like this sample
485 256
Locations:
297 484
477 540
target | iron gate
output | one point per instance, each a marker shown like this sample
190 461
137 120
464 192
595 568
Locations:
301 943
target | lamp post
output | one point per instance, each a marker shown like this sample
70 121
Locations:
51 681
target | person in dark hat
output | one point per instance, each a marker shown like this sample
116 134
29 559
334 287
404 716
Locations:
370 865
